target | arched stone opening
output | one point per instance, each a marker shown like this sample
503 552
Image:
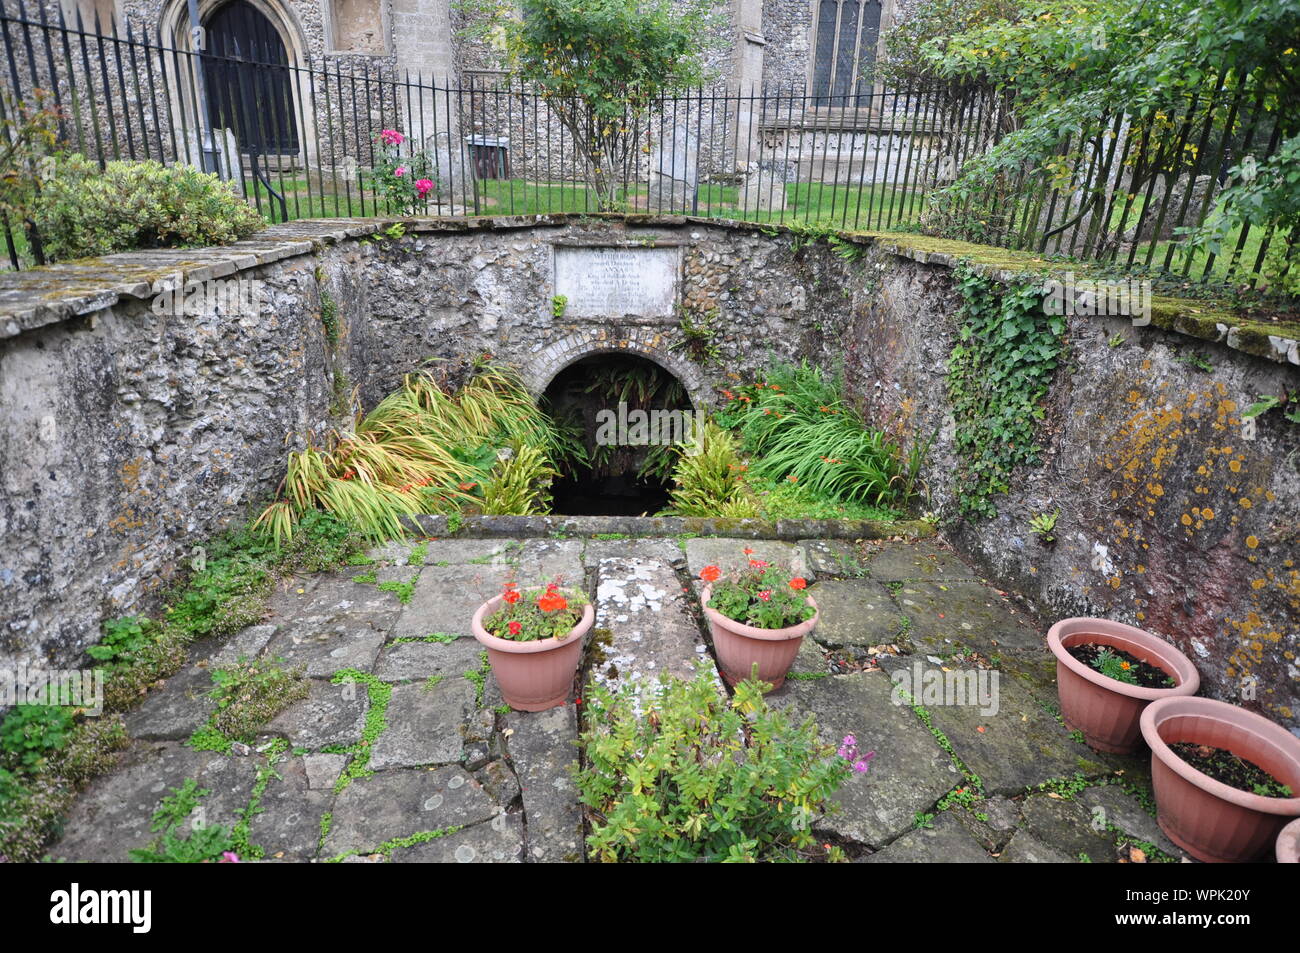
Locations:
629 414
650 343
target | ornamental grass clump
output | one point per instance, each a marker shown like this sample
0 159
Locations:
424 449
796 427
761 595
542 612
700 776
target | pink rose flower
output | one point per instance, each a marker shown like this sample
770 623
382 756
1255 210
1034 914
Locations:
422 187
400 171
391 137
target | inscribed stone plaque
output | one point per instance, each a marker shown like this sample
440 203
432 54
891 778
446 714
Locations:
608 282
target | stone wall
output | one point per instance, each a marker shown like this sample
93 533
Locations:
128 437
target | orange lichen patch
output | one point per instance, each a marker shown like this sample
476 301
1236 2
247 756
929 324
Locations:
1207 513
1252 542
1234 466
1186 520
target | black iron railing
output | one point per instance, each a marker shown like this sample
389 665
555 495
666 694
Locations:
299 138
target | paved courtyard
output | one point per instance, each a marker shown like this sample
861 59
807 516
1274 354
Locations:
403 751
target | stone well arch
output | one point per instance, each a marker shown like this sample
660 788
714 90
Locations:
541 367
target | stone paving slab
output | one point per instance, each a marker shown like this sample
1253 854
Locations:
856 614
1025 848
334 596
729 555
1111 805
541 748
917 560
426 724
833 558
498 841
408 661
668 551
954 617
945 842
398 804
288 826
641 603
177 708
997 728
321 646
909 773
329 715
112 815
1066 825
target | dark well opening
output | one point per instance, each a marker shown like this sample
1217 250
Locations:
625 411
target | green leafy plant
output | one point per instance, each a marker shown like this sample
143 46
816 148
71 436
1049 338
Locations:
699 335
202 844
1267 402
544 612
405 176
698 775
998 374
1043 525
761 595
709 478
559 303
425 448
30 734
248 694
797 428
1112 666
122 639
82 210
519 483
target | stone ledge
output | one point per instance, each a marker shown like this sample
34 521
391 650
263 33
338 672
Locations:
531 527
27 300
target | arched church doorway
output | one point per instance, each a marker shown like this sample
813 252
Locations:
249 84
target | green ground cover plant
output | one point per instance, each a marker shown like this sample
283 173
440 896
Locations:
700 776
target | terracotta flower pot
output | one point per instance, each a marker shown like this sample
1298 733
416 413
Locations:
1211 820
1107 710
741 646
1287 849
533 676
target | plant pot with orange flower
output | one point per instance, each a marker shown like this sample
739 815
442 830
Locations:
1108 672
758 618
534 642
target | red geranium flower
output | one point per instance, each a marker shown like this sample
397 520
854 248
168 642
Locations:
510 596
552 602
515 628
766 595
710 573
798 582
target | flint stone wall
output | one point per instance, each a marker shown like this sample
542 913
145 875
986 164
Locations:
130 437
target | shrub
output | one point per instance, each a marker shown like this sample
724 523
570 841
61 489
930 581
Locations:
700 776
82 211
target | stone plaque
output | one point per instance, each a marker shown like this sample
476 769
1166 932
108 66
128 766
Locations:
613 282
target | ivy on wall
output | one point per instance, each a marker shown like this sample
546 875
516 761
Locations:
998 374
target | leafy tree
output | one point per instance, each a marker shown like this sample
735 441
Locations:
1071 66
600 66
